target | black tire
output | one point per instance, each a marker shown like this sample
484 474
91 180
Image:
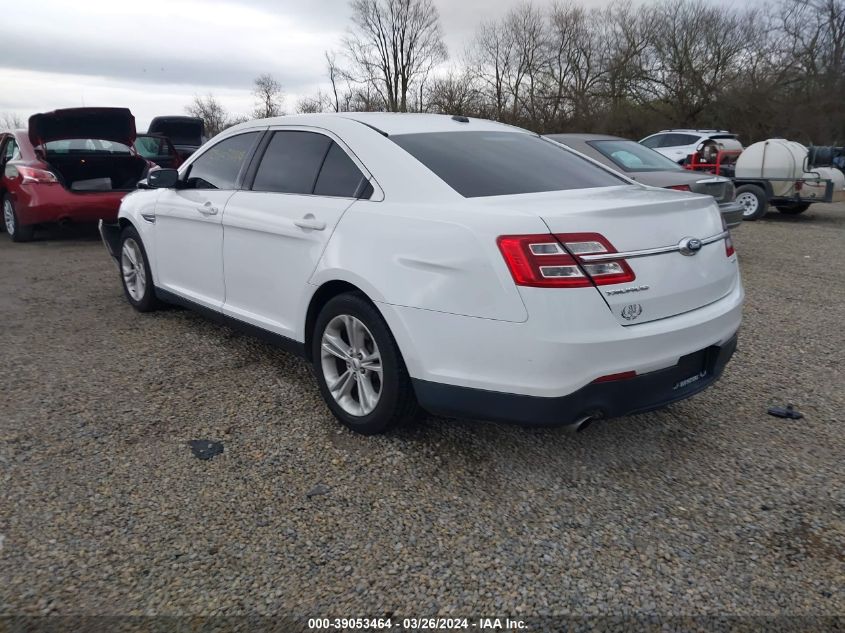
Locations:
793 209
16 232
396 402
752 212
145 301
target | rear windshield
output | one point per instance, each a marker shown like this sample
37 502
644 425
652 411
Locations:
79 146
477 164
634 157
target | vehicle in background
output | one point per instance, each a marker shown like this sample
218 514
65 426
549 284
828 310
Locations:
185 132
679 145
158 149
788 176
467 266
72 165
650 168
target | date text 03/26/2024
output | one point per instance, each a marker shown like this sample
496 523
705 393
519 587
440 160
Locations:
416 624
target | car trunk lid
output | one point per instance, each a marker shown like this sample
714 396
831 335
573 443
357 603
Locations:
181 130
107 124
649 226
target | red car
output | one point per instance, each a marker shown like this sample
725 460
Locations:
71 165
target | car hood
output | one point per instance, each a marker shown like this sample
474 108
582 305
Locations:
106 124
181 130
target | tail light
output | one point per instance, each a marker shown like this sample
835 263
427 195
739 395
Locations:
729 245
680 187
553 261
32 175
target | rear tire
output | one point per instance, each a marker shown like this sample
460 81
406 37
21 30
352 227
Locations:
793 209
12 225
135 274
753 200
359 368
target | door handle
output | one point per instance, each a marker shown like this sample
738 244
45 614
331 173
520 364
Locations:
208 209
310 222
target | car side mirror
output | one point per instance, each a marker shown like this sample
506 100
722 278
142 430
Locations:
162 178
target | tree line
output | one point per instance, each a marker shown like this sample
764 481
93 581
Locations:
760 71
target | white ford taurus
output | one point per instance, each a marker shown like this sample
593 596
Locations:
464 266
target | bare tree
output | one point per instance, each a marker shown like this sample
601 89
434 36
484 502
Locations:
318 103
214 116
393 44
269 99
10 121
455 93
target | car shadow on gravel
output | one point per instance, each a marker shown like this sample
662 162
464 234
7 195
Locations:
65 233
808 217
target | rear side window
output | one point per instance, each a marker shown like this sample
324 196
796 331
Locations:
653 141
10 151
478 164
339 175
678 140
219 166
292 162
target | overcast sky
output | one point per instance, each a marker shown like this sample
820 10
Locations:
154 56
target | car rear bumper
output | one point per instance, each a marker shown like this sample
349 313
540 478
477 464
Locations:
692 374
732 213
47 204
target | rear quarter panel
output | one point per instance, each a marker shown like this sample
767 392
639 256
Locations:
431 257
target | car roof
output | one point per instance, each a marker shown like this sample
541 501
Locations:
389 123
691 131
585 137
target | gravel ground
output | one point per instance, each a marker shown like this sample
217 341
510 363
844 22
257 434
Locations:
710 507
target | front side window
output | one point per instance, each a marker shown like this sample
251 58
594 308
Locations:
478 164
219 166
292 162
632 156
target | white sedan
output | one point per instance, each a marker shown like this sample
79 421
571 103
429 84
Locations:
468 267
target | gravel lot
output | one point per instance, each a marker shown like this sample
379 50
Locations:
710 507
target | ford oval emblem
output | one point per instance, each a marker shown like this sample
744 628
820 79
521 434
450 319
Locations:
689 246
632 311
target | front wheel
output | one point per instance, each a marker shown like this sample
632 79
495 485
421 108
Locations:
11 222
793 209
753 200
359 368
135 272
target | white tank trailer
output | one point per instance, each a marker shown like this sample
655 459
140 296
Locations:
787 175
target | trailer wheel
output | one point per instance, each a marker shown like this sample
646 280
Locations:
793 209
753 200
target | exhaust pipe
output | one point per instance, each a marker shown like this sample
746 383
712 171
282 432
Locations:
584 421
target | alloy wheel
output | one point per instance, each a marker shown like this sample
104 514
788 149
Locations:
9 217
749 203
351 364
132 267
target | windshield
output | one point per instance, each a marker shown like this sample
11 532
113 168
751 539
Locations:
85 146
634 157
477 164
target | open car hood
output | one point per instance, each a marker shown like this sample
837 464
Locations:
106 124
181 130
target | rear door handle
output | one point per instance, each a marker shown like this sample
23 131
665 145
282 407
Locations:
208 209
311 223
